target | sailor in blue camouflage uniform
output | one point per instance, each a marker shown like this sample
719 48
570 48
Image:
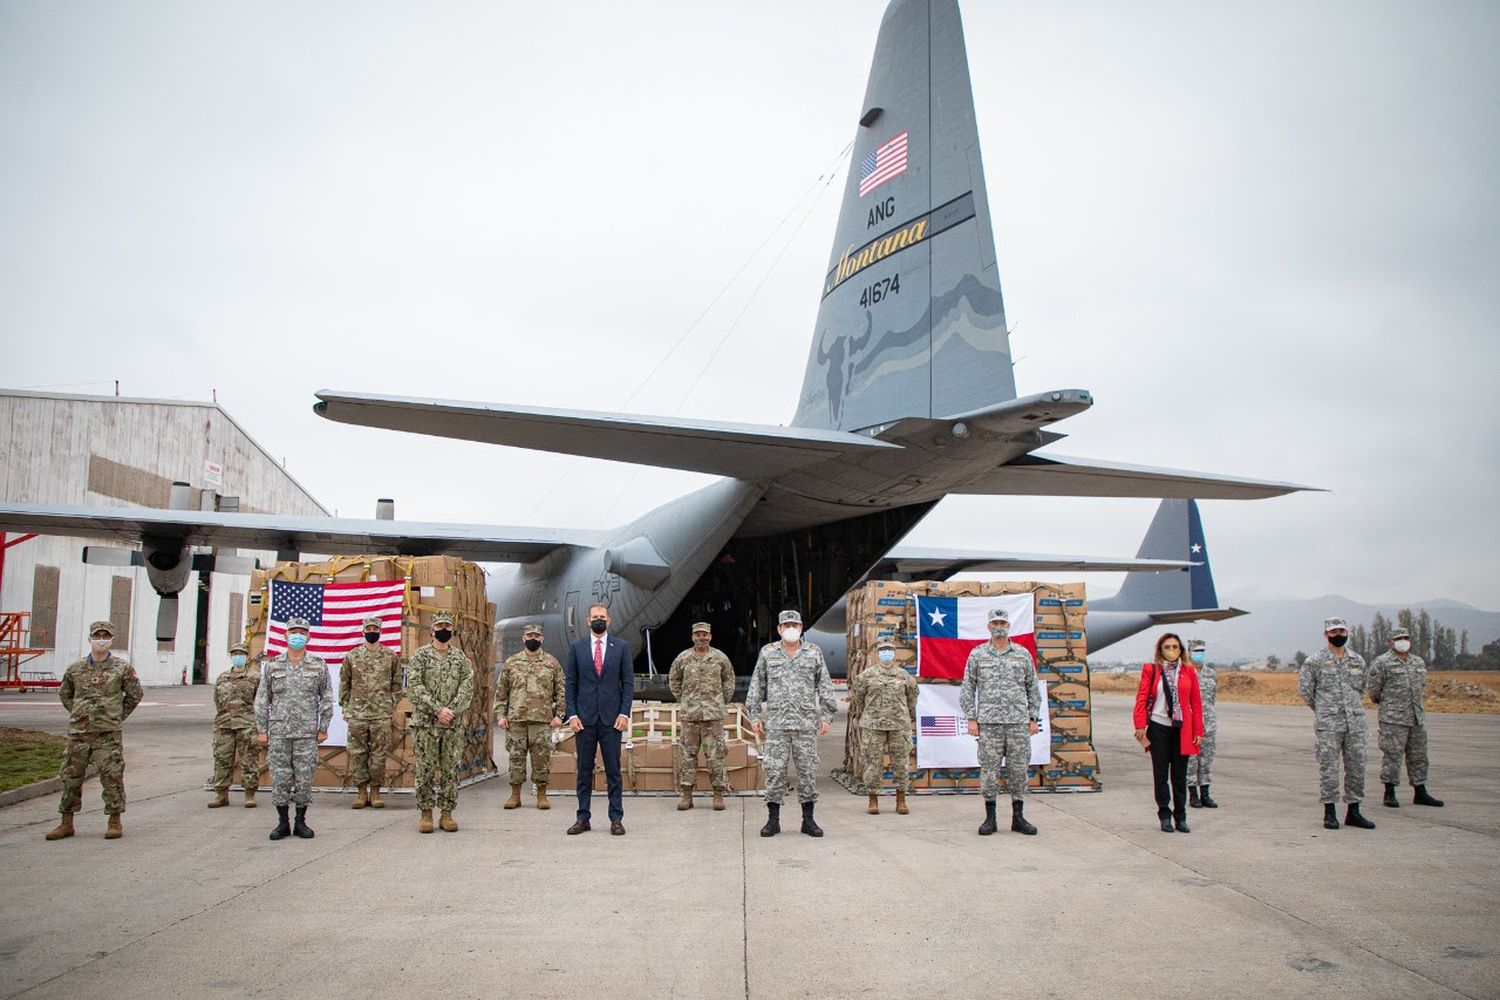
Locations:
1398 683
293 707
1001 703
1200 765
1332 682
790 704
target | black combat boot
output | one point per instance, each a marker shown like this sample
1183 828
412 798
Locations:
1330 816
283 828
1423 799
1208 803
300 827
1193 796
773 820
1390 796
809 825
988 826
1018 822
1353 818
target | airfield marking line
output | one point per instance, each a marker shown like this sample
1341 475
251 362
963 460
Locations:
744 902
212 906
1270 906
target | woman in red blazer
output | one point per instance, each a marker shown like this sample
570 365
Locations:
1169 726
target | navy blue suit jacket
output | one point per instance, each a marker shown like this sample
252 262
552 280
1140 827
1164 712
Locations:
598 700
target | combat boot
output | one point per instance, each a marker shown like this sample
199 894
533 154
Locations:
1423 799
901 809
1353 818
988 826
1208 803
300 827
1193 796
114 831
64 827
874 807
249 798
220 799
718 800
446 822
809 825
514 802
1018 822
283 826
361 797
771 829
541 796
1390 796
376 802
687 798
1330 816
424 825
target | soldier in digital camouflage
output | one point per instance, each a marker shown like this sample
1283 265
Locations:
1200 765
702 681
884 699
99 692
293 708
440 684
1000 702
234 728
369 687
791 703
1398 684
1332 682
530 698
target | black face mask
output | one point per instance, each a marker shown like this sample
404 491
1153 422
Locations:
442 634
598 625
533 644
372 637
1338 640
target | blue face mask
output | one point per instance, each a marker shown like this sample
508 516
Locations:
296 640
237 659
1198 656
887 656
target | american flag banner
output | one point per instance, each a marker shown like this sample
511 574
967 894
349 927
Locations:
938 725
888 161
335 613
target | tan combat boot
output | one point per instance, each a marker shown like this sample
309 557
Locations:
249 798
514 801
718 799
64 827
687 798
446 822
901 803
361 797
424 825
113 831
220 799
541 796
874 807
376 802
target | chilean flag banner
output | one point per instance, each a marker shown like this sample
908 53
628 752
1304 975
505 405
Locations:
948 628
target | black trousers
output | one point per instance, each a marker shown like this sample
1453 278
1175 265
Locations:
1167 762
607 739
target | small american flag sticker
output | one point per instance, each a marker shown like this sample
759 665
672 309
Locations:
888 161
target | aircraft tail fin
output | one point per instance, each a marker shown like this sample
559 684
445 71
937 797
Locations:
911 322
1176 532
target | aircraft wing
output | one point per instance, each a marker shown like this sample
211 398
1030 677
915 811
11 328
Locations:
907 562
740 451
1056 476
320 535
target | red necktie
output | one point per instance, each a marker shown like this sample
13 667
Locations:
598 657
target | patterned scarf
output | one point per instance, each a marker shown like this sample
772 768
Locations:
1169 673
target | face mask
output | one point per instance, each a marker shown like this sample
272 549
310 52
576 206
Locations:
598 625
297 640
101 645
791 634
237 659
1198 657
887 656
372 637
1338 640
442 634
1171 655
999 632
1402 645
700 643
533 644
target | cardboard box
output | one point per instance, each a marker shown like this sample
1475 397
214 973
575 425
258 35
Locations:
1063 671
1072 768
1072 732
1067 699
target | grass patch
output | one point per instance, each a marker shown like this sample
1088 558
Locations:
27 756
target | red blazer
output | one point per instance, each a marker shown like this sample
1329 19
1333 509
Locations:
1192 703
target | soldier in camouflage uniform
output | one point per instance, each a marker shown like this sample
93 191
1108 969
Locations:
1199 766
440 684
234 727
99 692
369 687
1398 683
1332 682
791 703
1000 702
293 708
530 698
702 681
884 697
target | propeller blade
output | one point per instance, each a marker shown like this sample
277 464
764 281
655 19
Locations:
166 618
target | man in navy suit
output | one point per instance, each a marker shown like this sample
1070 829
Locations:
600 684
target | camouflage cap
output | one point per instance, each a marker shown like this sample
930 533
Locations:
441 618
1329 624
240 647
102 626
1196 644
792 617
375 620
301 623
886 643
999 615
1400 633
701 627
534 628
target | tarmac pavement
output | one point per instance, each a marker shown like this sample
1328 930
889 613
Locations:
1259 901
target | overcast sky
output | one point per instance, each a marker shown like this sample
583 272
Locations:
1264 236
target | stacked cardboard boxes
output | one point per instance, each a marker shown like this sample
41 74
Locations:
887 609
648 754
433 583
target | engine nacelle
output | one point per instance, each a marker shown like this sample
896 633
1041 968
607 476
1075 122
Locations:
168 565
